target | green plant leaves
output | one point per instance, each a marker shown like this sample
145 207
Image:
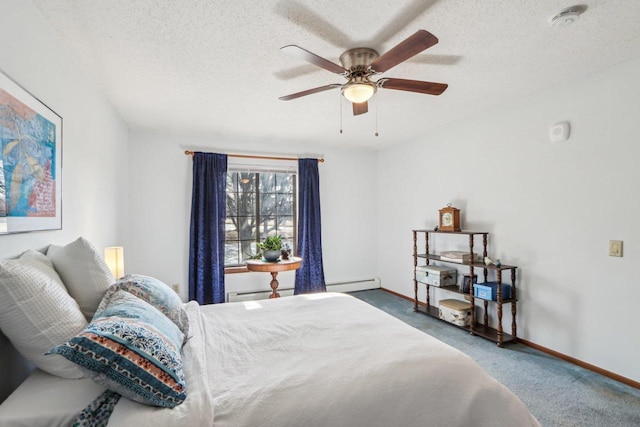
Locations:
271 243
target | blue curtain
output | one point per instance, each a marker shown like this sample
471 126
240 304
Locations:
310 276
208 212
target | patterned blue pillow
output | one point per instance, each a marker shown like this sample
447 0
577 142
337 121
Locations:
159 295
132 349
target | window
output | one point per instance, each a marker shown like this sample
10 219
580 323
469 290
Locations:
259 204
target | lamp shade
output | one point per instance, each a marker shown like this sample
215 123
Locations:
359 92
114 256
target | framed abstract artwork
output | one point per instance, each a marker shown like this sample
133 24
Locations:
30 162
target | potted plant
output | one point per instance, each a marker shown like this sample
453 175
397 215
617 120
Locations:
285 252
271 248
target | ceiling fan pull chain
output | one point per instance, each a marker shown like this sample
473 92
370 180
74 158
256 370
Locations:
340 101
377 101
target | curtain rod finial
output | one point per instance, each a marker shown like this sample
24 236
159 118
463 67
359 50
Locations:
189 153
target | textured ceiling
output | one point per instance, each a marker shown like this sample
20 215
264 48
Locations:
214 68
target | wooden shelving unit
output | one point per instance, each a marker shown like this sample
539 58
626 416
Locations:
478 328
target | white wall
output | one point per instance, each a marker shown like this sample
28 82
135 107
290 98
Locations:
94 159
551 209
94 139
157 238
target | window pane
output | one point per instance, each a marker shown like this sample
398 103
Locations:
267 204
246 181
247 227
232 204
267 227
231 253
284 203
247 249
286 227
232 197
284 183
232 182
267 182
247 204
230 229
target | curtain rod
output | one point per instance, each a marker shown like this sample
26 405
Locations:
247 156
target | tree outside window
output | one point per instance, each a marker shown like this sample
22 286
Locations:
259 204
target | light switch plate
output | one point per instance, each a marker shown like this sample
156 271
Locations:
615 247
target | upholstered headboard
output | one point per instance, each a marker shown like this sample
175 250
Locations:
13 368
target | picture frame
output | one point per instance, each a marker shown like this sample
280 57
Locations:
465 284
30 161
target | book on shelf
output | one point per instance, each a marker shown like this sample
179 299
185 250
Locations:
444 258
458 256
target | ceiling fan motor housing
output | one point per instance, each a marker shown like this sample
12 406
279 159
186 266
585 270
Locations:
359 57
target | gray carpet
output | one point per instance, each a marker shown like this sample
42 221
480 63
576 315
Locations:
558 393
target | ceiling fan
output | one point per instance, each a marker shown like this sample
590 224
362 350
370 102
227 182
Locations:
360 64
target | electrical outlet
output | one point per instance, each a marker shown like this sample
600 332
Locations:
615 247
176 287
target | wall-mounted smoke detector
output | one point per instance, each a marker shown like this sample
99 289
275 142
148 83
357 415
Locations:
567 16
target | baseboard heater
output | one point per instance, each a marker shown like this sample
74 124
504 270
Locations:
351 286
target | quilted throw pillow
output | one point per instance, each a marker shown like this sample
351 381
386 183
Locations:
132 349
37 313
159 295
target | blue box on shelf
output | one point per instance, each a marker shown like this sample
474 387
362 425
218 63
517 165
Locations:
489 291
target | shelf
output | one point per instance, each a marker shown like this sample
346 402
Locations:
452 288
456 290
489 333
431 311
433 257
504 301
491 267
465 232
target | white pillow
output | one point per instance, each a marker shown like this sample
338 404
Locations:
83 271
37 313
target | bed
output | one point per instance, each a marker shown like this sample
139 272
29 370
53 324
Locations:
309 360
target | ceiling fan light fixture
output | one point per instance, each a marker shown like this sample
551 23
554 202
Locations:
358 92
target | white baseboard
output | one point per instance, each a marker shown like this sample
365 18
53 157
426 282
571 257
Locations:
351 286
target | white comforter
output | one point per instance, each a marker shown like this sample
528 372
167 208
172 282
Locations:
324 360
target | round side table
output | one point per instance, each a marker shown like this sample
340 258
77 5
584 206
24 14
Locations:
293 263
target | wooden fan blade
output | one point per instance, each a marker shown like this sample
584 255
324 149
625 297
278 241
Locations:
411 46
309 92
429 88
360 108
305 55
